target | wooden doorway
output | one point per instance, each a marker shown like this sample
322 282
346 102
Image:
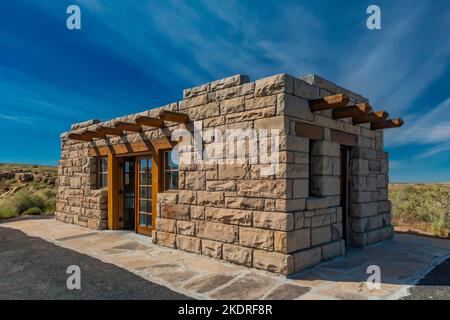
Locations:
133 185
127 193
344 189
145 214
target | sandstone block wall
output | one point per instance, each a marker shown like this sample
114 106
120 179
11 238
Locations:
282 223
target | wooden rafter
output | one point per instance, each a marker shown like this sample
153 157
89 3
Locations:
94 134
371 117
127 126
329 102
386 124
150 122
109 131
173 116
352 111
79 137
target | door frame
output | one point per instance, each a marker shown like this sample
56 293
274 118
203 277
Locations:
344 189
142 229
114 185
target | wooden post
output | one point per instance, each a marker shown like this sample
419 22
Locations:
113 192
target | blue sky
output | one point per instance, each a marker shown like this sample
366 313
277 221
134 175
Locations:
135 55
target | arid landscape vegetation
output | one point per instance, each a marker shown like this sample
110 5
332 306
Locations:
422 208
30 190
27 190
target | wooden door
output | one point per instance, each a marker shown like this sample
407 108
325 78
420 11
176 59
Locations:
144 190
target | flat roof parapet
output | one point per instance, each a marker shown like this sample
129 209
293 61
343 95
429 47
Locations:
84 124
331 87
228 82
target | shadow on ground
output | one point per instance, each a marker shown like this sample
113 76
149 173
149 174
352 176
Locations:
32 268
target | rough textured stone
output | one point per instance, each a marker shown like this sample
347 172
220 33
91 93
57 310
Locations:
212 248
189 244
307 258
244 203
273 261
275 84
229 216
320 235
237 254
216 231
256 238
205 198
273 220
175 211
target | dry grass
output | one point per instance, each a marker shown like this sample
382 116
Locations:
421 207
18 198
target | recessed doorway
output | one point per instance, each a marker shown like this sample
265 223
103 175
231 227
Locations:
135 193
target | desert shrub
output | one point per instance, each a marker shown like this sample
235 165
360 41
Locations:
25 201
32 211
7 209
423 204
48 195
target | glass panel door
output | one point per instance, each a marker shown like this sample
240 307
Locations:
128 193
144 212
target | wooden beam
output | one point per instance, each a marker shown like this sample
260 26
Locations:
94 134
346 139
173 116
351 111
131 148
371 117
329 102
127 126
309 131
113 192
79 137
386 124
150 122
109 131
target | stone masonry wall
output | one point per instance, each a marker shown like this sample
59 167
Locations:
281 223
78 201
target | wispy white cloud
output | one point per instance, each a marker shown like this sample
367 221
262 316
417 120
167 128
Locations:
424 128
393 68
16 118
433 151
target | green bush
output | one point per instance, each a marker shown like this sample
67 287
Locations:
32 211
49 197
26 201
7 210
428 204
23 202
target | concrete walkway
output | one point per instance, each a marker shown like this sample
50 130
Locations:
403 261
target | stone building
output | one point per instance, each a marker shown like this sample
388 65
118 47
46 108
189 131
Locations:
326 189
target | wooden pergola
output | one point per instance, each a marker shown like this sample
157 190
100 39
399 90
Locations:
339 104
119 128
359 113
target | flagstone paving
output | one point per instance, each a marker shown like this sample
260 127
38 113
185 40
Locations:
403 261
